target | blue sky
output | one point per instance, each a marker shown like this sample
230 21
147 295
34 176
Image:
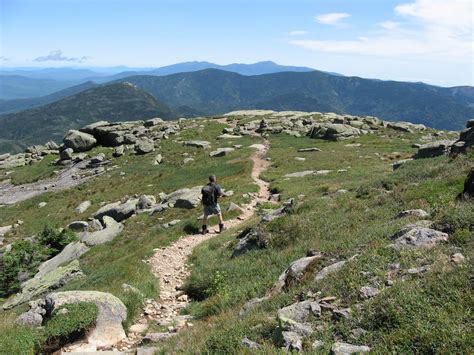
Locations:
410 40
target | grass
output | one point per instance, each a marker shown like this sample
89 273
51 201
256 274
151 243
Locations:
425 313
342 225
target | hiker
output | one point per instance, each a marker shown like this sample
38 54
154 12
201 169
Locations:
210 193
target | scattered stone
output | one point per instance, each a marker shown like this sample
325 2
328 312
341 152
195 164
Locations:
313 149
299 312
287 207
144 146
228 136
79 141
367 292
156 337
78 226
413 213
343 313
234 207
329 270
220 152
197 144
418 237
340 348
4 230
66 154
246 342
292 341
158 160
118 151
117 210
187 160
146 202
457 258
83 206
299 174
42 204
317 344
112 229
300 158
257 146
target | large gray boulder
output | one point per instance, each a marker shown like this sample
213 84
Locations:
79 141
111 312
418 237
333 131
299 312
71 252
117 210
112 229
189 199
82 207
330 269
434 149
220 152
44 284
249 239
144 146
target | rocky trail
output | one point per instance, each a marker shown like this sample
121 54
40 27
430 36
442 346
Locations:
169 264
68 177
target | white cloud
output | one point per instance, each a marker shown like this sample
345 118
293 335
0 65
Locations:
3 59
333 18
389 25
431 30
297 33
57 56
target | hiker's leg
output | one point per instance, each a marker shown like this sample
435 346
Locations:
221 219
204 223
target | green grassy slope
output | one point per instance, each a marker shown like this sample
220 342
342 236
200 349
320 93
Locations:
115 102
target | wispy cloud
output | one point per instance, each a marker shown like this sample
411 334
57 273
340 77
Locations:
333 18
57 56
297 33
432 29
3 59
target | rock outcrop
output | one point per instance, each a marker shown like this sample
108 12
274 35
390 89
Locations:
79 141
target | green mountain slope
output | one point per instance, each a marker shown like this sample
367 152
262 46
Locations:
211 91
115 102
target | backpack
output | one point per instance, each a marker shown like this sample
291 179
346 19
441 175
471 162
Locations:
208 195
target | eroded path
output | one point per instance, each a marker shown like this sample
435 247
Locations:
169 263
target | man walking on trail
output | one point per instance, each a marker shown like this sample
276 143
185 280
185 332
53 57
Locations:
210 193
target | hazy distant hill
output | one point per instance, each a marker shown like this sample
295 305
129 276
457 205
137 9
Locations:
211 91
114 102
14 105
17 86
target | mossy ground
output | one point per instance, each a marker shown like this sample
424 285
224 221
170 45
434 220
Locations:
427 313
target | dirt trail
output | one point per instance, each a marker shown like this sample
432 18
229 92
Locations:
169 263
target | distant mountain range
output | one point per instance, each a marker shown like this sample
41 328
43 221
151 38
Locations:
114 102
214 91
28 83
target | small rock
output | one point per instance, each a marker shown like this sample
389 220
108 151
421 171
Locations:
42 204
418 270
457 258
413 213
317 344
246 342
367 292
158 159
118 151
340 348
82 207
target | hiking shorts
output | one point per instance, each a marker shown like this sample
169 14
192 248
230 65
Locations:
211 210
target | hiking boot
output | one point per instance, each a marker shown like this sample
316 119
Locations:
204 229
221 228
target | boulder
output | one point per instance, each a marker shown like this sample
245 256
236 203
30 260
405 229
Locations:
118 151
400 126
287 207
112 229
220 152
418 237
66 154
153 122
292 341
434 149
400 163
467 136
329 270
71 252
246 342
158 159
468 191
228 136
299 312
299 174
189 199
367 292
82 207
146 201
333 131
294 273
144 146
44 284
5 229
313 149
340 348
31 319
249 239
117 210
79 141
197 144
111 312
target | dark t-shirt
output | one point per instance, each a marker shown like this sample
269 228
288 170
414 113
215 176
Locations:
217 191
